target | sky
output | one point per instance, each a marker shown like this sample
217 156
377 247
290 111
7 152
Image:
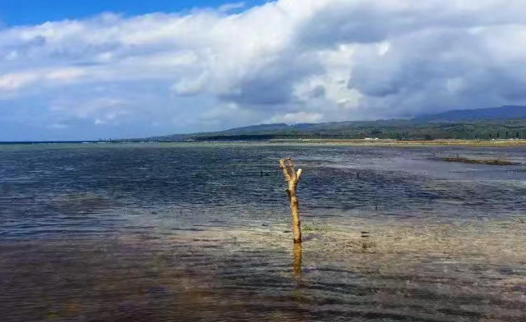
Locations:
82 70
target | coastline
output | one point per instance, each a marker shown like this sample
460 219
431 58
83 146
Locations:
380 142
320 142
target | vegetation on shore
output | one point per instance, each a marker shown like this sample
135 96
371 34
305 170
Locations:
399 130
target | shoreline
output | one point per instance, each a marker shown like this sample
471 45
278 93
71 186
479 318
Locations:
342 142
380 142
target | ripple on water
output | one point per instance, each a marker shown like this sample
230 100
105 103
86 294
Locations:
150 233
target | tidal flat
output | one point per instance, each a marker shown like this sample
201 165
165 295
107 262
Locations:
201 232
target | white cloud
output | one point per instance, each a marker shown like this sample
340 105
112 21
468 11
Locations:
231 7
101 108
13 81
65 74
295 118
58 126
18 80
291 61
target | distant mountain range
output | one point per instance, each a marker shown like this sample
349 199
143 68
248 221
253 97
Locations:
492 113
485 123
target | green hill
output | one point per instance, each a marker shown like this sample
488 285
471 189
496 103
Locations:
495 123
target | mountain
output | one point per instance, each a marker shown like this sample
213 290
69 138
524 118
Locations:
257 128
492 113
488 123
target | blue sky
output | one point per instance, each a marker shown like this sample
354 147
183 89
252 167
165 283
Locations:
79 70
23 12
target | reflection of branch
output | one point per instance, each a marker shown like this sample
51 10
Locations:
292 178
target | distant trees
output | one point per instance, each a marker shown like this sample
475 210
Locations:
401 130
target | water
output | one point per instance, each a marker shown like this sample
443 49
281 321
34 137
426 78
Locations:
193 232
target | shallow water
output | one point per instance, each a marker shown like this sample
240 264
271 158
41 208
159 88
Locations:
200 232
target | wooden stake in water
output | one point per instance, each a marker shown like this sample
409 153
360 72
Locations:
292 178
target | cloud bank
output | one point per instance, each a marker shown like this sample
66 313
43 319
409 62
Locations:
285 61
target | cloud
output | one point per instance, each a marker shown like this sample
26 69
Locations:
58 126
287 61
231 7
13 81
295 118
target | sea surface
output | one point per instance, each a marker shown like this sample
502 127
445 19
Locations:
200 232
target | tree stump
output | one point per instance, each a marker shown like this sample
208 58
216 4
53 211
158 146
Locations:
292 178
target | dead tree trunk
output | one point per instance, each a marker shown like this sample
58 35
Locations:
292 178
296 265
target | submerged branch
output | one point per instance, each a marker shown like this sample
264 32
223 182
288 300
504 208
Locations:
472 161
